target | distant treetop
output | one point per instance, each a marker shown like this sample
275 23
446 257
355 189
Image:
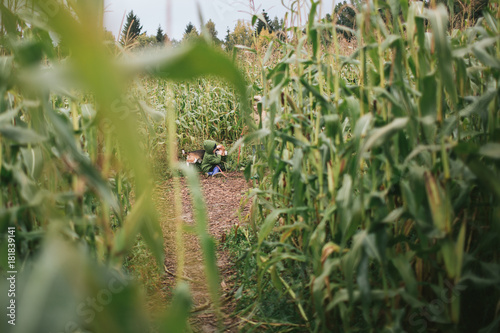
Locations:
268 25
132 28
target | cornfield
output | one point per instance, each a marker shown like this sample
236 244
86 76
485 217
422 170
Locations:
375 199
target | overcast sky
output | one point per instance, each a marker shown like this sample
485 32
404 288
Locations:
174 15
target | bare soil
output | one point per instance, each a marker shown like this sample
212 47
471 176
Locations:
223 198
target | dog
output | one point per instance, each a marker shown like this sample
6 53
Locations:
196 156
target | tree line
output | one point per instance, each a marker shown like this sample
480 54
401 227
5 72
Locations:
244 33
132 34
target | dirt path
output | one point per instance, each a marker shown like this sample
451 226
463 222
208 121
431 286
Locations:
223 200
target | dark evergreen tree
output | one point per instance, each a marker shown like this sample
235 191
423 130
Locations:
358 4
275 24
189 28
346 16
264 25
229 40
132 28
228 36
190 33
160 36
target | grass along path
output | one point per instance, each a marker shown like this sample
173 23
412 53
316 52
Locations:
223 197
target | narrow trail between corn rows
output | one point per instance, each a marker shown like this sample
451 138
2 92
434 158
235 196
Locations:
223 200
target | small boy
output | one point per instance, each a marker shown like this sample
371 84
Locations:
211 159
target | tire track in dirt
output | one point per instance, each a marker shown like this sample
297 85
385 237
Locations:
223 197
